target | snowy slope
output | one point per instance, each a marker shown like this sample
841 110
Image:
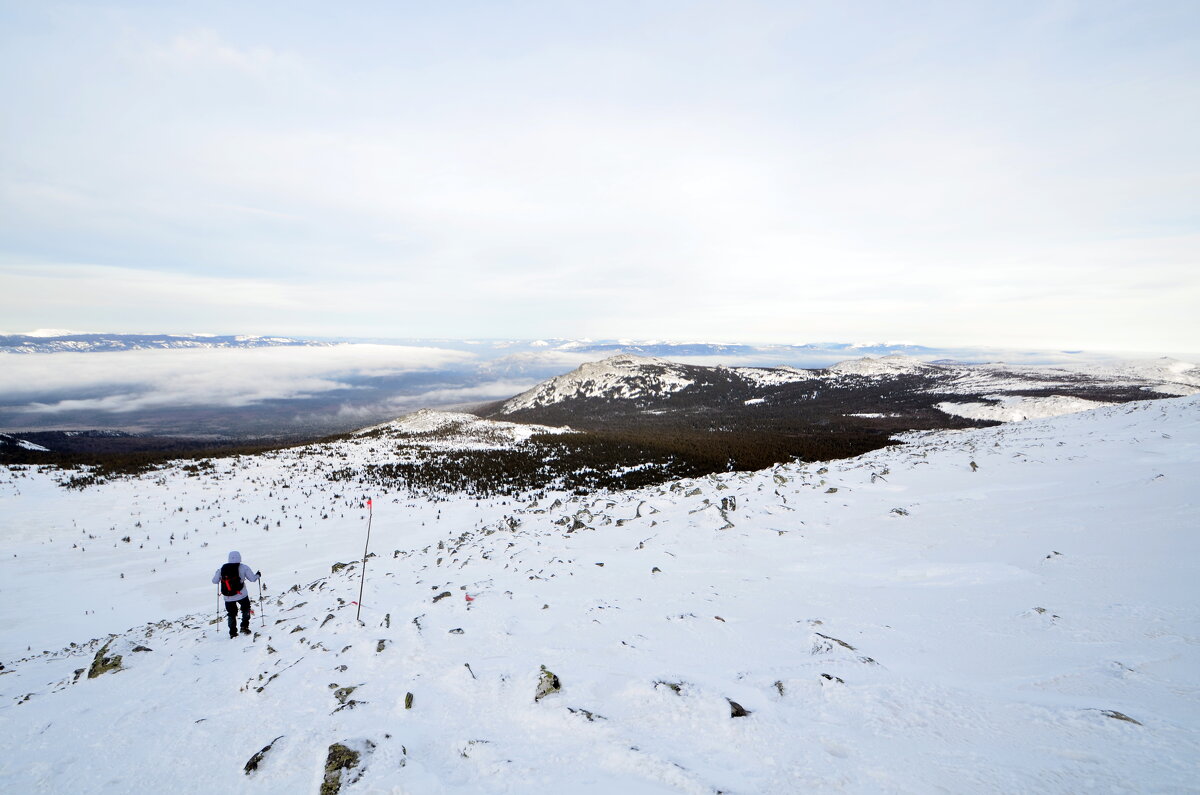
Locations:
1005 609
8 440
457 430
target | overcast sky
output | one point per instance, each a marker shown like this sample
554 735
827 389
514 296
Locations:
1005 173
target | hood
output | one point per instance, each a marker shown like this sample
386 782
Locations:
235 557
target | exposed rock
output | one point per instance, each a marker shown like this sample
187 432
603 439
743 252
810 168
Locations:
675 687
408 700
344 765
442 595
825 645
380 646
548 683
1112 713
102 663
338 567
256 760
736 710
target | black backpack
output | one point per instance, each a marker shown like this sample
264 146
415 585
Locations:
231 579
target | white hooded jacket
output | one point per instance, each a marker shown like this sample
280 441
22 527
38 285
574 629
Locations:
246 573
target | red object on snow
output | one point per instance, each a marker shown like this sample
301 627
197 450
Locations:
469 597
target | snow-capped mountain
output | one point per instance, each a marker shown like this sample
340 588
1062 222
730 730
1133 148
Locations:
891 386
998 609
95 342
621 377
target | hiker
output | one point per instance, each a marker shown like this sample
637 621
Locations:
232 578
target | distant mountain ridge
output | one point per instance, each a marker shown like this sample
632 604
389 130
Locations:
96 343
626 388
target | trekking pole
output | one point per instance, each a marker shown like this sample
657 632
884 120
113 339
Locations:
370 515
262 616
218 608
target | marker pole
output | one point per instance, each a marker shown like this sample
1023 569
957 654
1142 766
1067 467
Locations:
370 516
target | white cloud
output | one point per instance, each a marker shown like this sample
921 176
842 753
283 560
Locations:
205 48
778 172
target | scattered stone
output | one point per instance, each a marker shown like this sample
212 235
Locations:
408 700
142 648
256 760
338 567
591 716
779 686
736 710
548 683
837 679
831 490
442 595
457 631
102 663
343 693
675 687
328 618
380 646
656 570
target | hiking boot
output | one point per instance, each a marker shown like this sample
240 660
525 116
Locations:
233 636
245 630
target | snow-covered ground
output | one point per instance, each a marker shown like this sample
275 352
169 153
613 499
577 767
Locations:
1008 408
1004 609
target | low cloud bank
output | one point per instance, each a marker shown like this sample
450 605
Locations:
130 381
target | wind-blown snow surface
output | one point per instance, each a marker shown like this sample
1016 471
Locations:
989 610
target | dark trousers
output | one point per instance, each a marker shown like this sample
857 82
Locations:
232 609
